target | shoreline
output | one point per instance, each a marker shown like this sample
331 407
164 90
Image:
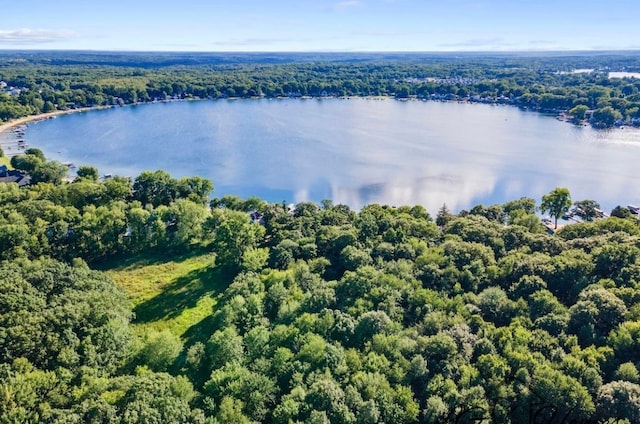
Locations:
25 120
44 116
54 153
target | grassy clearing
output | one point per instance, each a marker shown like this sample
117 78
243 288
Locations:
169 292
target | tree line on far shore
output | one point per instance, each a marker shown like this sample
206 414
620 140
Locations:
535 83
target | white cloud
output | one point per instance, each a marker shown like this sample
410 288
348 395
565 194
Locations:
33 36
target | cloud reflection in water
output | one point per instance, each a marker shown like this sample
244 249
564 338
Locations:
355 152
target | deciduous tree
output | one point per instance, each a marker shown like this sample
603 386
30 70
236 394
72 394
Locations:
557 203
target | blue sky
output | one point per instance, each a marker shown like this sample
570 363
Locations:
320 25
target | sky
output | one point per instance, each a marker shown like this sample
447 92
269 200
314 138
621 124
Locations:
320 25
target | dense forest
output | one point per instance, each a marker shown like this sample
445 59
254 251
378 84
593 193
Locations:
38 82
313 313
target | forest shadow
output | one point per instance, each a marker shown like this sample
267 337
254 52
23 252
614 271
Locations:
202 331
183 293
140 260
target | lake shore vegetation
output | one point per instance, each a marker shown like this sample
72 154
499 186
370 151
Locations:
46 82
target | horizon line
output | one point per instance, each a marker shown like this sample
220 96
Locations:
529 51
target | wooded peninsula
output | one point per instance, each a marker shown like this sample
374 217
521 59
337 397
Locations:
144 300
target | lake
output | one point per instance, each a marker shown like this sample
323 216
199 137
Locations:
354 151
624 75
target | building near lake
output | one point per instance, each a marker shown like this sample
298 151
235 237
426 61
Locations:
13 176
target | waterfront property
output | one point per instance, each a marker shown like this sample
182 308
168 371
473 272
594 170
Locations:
13 176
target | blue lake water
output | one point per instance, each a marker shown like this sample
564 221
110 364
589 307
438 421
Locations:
355 151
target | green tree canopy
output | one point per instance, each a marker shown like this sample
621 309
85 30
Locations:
557 203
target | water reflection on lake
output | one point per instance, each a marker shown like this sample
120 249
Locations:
624 75
356 151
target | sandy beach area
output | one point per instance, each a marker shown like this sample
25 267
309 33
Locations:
32 118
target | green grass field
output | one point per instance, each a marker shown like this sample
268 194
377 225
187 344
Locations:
177 293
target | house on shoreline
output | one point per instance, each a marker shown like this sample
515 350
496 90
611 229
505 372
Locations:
13 176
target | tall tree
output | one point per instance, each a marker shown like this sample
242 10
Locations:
443 216
156 188
234 234
49 172
557 203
